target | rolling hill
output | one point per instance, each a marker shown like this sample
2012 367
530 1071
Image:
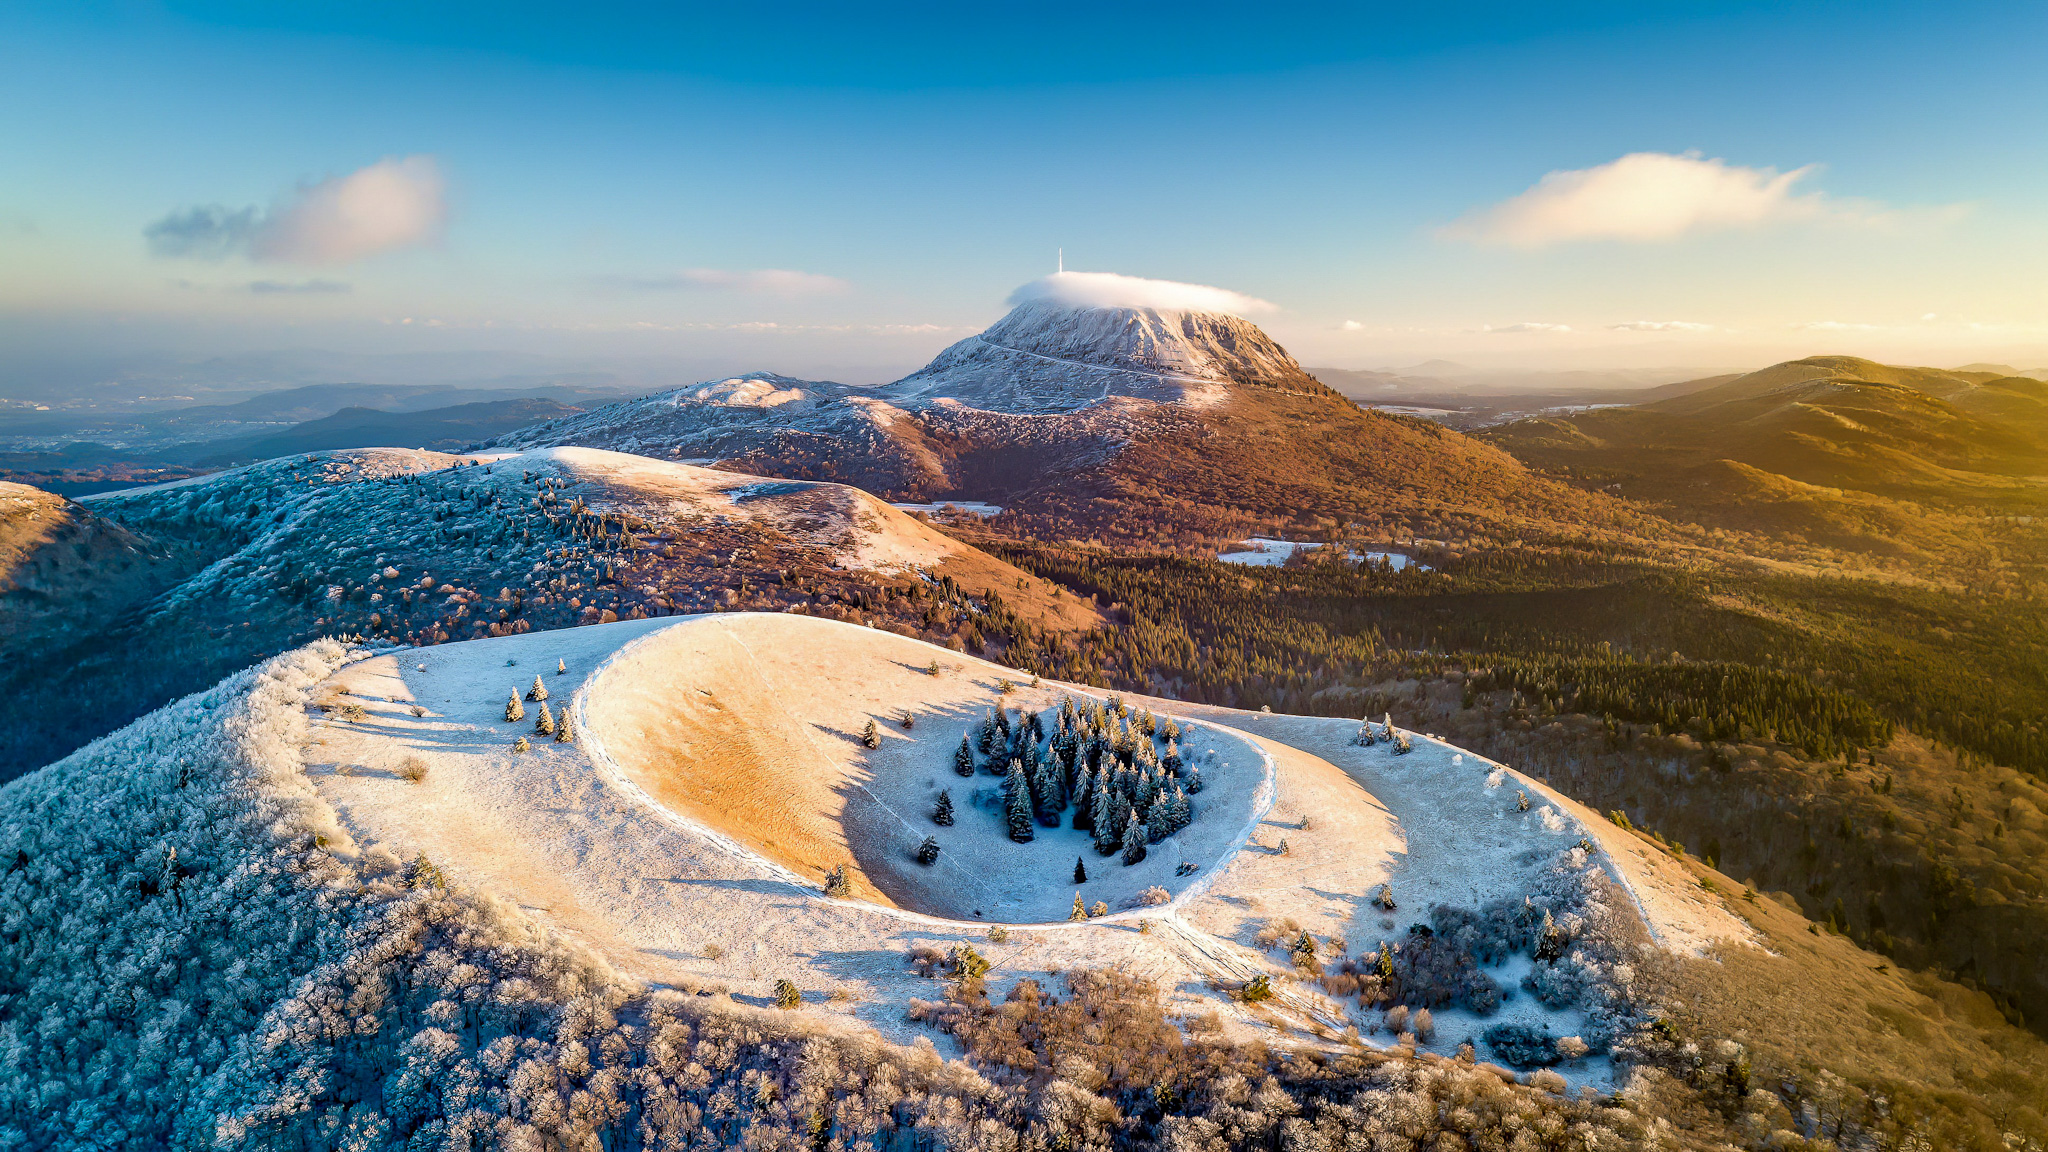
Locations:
425 547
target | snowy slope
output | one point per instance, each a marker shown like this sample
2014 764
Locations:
710 872
1048 357
1047 389
424 547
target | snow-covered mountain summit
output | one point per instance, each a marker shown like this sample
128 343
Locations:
1054 356
1083 364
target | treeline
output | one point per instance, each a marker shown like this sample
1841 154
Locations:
1822 665
1719 701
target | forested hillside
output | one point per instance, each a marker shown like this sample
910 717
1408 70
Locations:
1891 735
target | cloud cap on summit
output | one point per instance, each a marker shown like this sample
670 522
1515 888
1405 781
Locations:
1111 290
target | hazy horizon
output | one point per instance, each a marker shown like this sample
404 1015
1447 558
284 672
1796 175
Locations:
1718 185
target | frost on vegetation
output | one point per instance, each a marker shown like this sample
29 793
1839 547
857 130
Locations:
1569 926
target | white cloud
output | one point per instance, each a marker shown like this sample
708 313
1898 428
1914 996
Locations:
1836 326
1660 326
762 281
1353 326
1529 326
1109 290
1650 196
394 203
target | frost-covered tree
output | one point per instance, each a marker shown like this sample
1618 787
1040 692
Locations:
1103 816
870 736
963 758
985 736
561 667
1134 843
1080 877
563 735
1171 762
1017 804
539 691
544 724
521 745
1084 801
836 883
514 710
1080 911
788 995
942 813
928 852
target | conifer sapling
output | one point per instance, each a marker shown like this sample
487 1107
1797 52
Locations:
942 815
1080 877
514 710
544 724
539 691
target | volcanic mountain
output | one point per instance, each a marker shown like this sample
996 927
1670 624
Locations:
1096 419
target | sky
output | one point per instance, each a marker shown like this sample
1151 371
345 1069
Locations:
843 190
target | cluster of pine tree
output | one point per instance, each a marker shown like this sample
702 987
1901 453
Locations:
1120 771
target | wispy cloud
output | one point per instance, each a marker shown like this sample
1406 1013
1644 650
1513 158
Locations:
392 204
1528 326
1835 326
1660 326
1653 196
297 288
759 281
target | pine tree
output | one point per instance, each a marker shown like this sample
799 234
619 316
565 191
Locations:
561 666
520 745
1003 723
1102 812
942 815
1084 801
870 736
1017 806
1080 877
1171 761
1134 843
562 733
1080 911
514 710
1048 798
544 724
928 852
985 736
963 759
539 691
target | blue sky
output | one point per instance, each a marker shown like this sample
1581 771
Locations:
843 188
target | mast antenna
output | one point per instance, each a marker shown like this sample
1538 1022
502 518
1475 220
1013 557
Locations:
1062 260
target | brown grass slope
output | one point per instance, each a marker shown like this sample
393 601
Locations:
1298 457
1903 464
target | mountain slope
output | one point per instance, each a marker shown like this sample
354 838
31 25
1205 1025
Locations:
1106 422
424 547
1935 469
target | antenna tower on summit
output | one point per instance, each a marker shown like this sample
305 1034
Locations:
1062 266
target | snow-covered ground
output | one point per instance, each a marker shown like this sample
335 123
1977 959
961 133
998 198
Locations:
969 507
709 881
1270 553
